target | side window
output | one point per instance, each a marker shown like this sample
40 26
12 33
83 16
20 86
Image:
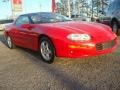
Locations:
22 20
36 18
42 18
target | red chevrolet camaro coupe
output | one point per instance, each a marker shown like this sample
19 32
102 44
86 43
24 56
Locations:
56 35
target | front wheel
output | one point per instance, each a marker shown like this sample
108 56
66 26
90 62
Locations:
47 51
9 42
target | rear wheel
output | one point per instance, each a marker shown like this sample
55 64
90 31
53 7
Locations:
9 42
46 50
115 27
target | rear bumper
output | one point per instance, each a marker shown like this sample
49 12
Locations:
85 50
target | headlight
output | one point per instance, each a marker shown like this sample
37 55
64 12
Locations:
79 37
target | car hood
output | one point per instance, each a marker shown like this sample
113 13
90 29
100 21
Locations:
95 30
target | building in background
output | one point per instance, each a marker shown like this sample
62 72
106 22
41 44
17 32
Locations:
17 5
16 8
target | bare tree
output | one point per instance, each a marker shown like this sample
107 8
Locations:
90 8
98 5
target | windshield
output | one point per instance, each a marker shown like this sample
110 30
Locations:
48 18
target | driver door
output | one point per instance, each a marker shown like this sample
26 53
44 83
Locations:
22 36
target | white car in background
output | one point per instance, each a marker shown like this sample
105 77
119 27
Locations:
3 23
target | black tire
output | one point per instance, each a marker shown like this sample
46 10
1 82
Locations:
10 43
115 27
47 51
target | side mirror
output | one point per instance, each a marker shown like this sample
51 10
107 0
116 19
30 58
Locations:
27 26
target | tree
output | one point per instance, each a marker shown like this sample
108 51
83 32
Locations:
82 6
89 8
98 5
65 9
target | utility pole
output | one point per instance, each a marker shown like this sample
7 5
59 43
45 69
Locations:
102 4
69 9
12 9
53 6
92 11
40 8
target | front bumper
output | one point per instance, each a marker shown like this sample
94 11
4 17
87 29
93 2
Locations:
88 49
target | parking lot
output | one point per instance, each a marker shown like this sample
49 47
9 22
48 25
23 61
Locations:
22 69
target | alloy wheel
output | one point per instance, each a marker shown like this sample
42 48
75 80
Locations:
46 50
9 42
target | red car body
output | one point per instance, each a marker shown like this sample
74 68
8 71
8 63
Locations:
103 40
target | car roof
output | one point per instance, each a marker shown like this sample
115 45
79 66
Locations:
29 14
